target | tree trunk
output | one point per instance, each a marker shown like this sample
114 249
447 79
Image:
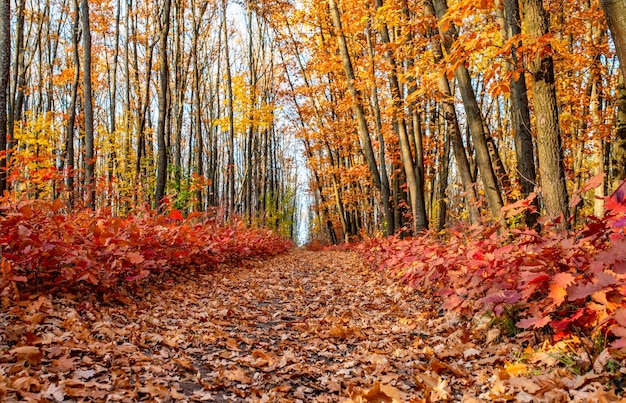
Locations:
444 169
615 13
90 161
357 100
71 121
18 83
416 187
162 120
112 157
549 150
385 189
474 119
230 165
460 155
5 67
618 157
197 108
520 113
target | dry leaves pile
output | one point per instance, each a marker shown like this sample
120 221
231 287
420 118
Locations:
304 326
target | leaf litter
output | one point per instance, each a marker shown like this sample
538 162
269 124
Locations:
303 326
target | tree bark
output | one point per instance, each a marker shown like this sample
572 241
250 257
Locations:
460 155
230 167
615 13
474 119
520 113
385 189
71 121
414 177
90 162
5 67
549 150
618 156
357 100
162 119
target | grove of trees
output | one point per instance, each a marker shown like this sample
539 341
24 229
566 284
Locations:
410 114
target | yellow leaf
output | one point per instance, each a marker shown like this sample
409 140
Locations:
516 369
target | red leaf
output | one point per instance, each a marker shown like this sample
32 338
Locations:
593 182
617 201
139 276
134 257
175 214
536 322
563 279
581 291
520 206
620 316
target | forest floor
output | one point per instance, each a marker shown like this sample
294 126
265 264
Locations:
303 326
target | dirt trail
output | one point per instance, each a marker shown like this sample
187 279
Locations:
304 326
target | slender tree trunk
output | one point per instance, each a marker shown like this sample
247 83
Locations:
615 13
385 189
520 113
452 123
618 157
112 157
444 169
197 20
230 165
162 120
357 100
416 186
18 82
71 121
5 67
474 119
90 161
549 149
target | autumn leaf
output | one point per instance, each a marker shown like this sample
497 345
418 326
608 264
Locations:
134 257
378 393
237 375
31 354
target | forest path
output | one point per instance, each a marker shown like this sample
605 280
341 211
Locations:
303 326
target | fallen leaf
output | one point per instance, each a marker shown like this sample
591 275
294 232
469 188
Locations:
238 375
28 353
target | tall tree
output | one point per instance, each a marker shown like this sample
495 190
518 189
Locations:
230 164
615 13
5 66
549 147
475 121
357 100
411 167
162 120
452 122
90 161
71 113
520 112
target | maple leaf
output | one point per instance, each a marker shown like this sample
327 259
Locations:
31 354
54 392
175 214
379 393
620 316
536 322
581 291
238 375
134 257
558 287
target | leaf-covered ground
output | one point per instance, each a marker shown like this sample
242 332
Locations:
303 326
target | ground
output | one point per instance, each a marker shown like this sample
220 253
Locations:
303 326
